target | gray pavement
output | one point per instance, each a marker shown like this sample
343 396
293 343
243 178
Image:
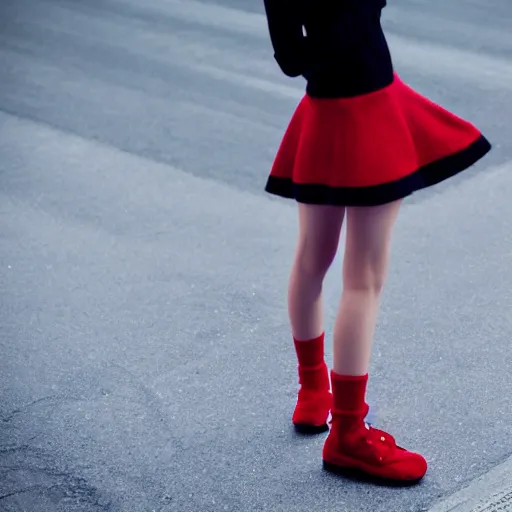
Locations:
146 362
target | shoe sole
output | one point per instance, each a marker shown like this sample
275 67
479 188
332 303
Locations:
362 476
310 429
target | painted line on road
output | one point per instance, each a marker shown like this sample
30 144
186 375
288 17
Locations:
243 80
230 65
434 59
442 61
491 492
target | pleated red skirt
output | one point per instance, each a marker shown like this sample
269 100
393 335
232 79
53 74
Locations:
371 149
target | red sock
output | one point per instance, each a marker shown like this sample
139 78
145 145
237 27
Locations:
311 352
349 398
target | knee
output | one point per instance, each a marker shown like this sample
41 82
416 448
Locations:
315 259
364 277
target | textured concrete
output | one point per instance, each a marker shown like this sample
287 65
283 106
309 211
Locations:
146 362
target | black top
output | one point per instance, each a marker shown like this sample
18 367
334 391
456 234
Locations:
337 45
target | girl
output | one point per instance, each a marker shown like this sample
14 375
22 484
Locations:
359 142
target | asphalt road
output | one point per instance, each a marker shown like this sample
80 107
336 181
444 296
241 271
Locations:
145 360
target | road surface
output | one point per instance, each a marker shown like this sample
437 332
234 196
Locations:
146 361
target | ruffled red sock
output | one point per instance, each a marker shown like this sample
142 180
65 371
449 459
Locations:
353 445
314 398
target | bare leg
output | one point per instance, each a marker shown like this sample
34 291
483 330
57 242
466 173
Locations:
351 444
319 234
364 272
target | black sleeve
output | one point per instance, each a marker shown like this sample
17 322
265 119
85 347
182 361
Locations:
285 29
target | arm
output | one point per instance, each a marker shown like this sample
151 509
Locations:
288 41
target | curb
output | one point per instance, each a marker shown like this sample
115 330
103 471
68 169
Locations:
492 492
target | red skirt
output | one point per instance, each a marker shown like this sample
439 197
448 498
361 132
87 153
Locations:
371 149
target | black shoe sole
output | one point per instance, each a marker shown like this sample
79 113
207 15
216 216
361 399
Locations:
310 429
360 476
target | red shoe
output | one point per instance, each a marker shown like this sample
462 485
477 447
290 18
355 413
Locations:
353 446
314 400
373 453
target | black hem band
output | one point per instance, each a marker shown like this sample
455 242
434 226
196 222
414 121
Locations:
426 176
